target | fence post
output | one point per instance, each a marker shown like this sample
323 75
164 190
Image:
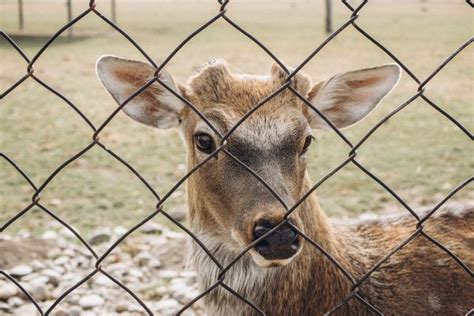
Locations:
328 16
69 19
20 15
114 11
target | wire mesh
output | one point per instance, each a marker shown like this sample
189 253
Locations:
356 292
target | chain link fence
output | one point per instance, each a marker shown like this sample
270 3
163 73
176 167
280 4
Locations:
356 292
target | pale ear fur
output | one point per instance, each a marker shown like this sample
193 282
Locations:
155 106
348 97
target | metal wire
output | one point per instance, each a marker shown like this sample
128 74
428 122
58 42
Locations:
355 292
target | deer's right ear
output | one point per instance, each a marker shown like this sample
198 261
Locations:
155 106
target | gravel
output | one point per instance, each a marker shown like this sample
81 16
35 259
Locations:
150 264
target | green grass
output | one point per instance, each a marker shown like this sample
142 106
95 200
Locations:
419 153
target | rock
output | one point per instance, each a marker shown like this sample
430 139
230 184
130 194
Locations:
168 274
59 269
143 259
4 307
69 252
60 311
29 277
66 232
188 274
53 276
181 290
119 267
54 253
135 273
152 228
15 301
174 235
49 234
102 280
7 290
120 230
368 216
24 234
38 292
37 265
56 202
121 307
20 271
39 281
167 305
154 263
74 311
100 237
128 280
90 301
26 309
61 260
178 214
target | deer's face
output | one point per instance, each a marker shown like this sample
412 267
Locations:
227 202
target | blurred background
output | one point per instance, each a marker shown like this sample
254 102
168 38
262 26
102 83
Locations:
419 153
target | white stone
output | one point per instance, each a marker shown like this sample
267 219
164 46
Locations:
74 311
38 292
39 281
167 304
15 301
168 274
37 265
26 309
53 276
7 290
154 263
90 301
102 280
62 260
120 230
49 234
60 311
4 307
135 273
20 270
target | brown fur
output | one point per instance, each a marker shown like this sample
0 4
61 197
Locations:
225 201
418 279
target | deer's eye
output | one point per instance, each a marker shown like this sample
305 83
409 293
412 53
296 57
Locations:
204 142
307 143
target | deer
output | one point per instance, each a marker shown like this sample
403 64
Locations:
229 209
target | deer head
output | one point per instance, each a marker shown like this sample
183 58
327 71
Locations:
225 200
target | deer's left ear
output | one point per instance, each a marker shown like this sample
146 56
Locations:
348 97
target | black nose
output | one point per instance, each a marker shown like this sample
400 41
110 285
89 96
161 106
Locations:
281 244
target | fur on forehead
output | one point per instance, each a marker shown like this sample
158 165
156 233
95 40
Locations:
215 84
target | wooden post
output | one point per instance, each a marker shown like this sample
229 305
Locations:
328 16
20 15
69 19
114 11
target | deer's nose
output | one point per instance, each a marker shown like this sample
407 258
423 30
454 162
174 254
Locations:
283 243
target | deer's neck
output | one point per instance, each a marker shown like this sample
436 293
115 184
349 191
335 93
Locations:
308 285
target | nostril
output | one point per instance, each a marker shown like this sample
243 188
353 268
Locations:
262 245
259 231
283 235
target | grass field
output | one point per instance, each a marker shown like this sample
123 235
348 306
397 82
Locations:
418 153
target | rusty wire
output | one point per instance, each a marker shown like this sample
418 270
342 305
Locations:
356 292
